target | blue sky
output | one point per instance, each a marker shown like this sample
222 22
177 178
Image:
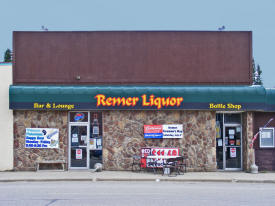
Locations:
75 15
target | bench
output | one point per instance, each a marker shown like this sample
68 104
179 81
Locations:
61 162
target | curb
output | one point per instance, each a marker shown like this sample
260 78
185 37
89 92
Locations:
47 180
140 180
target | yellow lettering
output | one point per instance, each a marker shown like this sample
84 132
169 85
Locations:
173 101
157 102
135 100
109 101
144 102
129 101
179 101
100 100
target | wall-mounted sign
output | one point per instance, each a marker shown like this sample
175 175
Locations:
228 106
42 138
145 100
163 131
267 137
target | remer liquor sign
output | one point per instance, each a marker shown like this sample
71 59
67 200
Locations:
163 131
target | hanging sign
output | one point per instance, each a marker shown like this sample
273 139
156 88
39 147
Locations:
163 131
42 138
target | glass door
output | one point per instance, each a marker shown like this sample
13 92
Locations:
78 146
228 141
232 147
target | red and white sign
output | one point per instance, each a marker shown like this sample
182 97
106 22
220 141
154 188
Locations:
233 152
164 152
157 152
78 154
152 128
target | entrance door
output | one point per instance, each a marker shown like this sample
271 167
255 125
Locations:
78 146
233 147
229 141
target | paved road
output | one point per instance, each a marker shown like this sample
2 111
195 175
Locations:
135 193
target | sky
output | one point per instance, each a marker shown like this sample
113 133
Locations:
184 15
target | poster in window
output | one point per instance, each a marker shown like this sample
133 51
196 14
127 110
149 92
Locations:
231 132
232 142
74 138
220 143
233 152
231 136
92 143
78 154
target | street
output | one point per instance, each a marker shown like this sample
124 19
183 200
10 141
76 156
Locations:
135 193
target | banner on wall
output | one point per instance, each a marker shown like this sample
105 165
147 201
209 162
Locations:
42 138
163 131
157 155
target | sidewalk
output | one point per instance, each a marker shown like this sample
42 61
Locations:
238 177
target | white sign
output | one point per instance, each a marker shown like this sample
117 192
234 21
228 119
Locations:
172 131
231 132
78 154
266 134
219 142
42 138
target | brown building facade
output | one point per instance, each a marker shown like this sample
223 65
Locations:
100 97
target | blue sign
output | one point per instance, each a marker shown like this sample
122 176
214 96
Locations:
78 117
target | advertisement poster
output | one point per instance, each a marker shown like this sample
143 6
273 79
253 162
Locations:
233 152
163 131
42 138
219 142
158 154
78 154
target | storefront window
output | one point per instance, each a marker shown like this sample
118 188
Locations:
219 140
95 138
232 118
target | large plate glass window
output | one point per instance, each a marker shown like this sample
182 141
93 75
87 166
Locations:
95 138
267 137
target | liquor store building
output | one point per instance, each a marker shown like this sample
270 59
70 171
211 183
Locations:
88 97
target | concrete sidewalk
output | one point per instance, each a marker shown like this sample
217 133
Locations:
136 176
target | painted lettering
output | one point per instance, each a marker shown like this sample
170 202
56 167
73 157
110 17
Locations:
234 106
225 106
152 101
38 106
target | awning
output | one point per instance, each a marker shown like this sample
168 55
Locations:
142 97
